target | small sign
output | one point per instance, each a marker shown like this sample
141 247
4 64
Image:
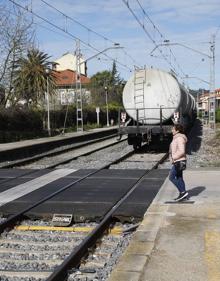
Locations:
97 109
176 116
62 219
123 116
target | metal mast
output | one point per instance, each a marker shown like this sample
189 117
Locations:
212 85
79 110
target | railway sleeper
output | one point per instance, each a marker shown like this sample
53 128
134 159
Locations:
9 264
35 275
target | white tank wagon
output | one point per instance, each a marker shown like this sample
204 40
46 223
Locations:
153 98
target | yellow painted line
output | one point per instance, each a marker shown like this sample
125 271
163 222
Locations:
115 230
212 254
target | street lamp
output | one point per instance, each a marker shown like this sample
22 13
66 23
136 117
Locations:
115 46
48 102
106 101
79 109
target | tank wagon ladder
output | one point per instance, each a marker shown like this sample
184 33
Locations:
139 81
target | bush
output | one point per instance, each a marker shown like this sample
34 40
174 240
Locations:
19 123
20 120
217 115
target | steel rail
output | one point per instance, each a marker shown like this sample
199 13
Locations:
12 220
62 162
73 260
84 154
51 154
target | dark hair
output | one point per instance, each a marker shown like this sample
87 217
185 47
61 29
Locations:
179 128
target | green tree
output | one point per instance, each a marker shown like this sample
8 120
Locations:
110 79
31 79
115 77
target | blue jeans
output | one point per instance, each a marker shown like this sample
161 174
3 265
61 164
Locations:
176 177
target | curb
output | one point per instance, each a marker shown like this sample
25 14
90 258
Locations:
136 256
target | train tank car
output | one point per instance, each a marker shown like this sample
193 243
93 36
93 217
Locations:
153 100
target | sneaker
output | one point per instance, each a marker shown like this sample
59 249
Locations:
181 196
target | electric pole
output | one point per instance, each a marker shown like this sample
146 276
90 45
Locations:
212 85
79 110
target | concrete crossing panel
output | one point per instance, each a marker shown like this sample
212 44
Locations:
88 199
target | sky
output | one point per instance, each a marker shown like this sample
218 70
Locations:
188 25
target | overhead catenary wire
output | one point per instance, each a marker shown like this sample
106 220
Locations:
67 32
145 30
76 21
89 29
162 36
160 33
126 2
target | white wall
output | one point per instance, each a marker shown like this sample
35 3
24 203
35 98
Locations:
68 61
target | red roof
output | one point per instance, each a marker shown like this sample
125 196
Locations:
68 77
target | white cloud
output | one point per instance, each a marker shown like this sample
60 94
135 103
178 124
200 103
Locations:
186 12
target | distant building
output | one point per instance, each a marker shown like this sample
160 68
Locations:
66 88
64 70
68 61
217 95
203 101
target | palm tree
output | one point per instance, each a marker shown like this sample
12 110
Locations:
32 77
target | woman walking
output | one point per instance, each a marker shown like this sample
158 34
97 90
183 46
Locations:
178 159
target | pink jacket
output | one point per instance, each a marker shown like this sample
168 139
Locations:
178 148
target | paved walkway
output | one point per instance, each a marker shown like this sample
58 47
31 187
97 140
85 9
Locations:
177 242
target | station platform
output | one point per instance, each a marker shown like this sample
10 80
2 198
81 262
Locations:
24 148
177 241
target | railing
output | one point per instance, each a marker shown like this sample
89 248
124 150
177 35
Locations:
141 121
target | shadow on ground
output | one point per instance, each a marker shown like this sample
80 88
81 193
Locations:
195 191
194 137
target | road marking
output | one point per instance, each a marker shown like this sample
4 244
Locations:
27 187
212 254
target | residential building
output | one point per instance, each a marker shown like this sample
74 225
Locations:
64 70
68 61
203 101
66 88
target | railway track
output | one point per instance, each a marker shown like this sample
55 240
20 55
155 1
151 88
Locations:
74 260
97 144
28 253
63 159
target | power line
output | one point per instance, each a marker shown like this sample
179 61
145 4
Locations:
89 30
126 2
145 30
76 21
65 31
160 33
147 16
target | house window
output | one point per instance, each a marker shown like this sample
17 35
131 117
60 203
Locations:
67 97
